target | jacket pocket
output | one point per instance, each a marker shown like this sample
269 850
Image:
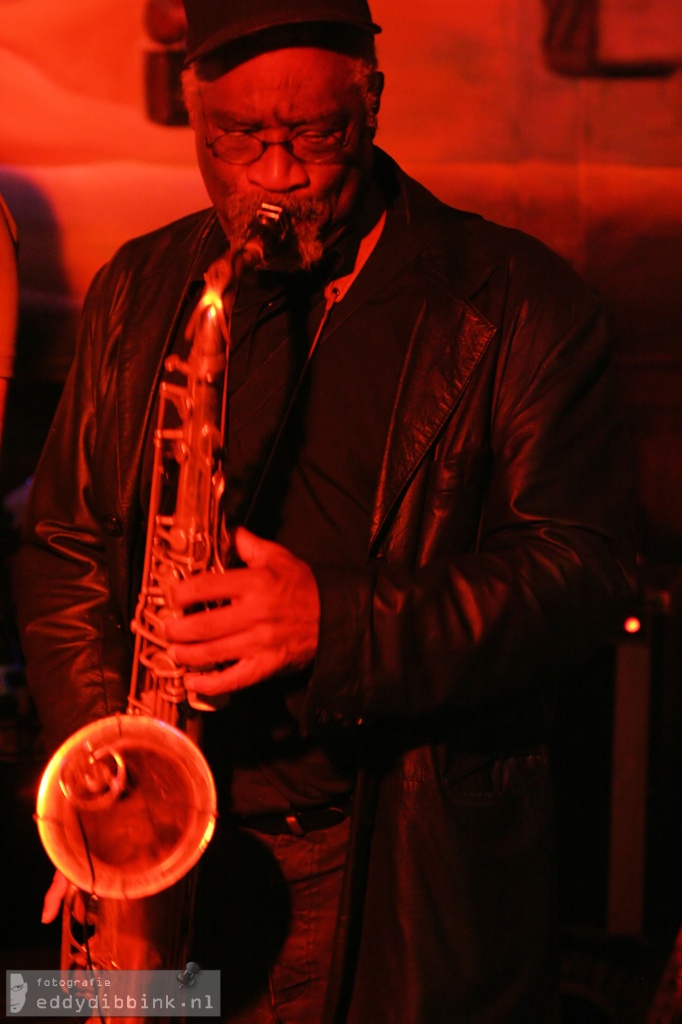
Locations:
455 489
474 778
453 470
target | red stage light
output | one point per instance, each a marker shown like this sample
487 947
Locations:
632 624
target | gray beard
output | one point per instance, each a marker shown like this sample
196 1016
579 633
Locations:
302 246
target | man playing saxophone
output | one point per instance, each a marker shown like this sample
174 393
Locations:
426 495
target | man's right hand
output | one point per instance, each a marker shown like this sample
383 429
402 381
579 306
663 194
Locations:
54 897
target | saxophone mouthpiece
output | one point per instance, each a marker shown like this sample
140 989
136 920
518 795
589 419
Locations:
267 231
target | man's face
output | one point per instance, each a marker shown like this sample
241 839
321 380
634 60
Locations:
18 989
275 96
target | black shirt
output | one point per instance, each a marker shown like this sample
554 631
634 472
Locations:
316 497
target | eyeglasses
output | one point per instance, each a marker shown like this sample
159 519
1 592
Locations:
307 146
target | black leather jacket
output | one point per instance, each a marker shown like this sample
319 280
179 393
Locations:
500 543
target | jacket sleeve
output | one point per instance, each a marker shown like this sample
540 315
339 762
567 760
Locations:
552 557
76 652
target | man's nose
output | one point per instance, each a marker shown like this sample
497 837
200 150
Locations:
276 170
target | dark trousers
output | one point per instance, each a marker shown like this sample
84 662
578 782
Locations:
266 915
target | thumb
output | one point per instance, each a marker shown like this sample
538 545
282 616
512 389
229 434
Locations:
252 550
54 896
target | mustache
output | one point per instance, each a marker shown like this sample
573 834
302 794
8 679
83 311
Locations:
296 208
307 218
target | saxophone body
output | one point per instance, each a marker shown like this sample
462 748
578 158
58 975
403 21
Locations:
187 539
127 805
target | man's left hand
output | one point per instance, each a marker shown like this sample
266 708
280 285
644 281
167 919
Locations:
266 620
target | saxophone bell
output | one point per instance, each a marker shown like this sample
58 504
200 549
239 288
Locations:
126 807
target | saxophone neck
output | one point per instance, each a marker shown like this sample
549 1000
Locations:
208 328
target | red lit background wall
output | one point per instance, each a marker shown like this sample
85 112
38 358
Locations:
590 161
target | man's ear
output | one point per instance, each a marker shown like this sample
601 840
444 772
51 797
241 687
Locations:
377 89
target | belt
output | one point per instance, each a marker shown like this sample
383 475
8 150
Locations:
296 821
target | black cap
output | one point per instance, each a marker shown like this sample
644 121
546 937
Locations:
212 24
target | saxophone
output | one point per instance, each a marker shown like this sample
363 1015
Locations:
127 805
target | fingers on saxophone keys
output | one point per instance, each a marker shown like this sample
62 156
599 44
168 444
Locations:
206 626
201 625
216 650
241 674
206 587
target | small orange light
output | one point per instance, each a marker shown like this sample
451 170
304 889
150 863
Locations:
632 624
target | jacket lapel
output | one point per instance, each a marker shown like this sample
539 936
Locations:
449 336
447 343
